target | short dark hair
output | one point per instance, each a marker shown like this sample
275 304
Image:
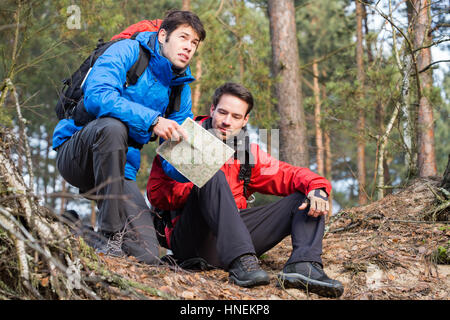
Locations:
176 18
234 89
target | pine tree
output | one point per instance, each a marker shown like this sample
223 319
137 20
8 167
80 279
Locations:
293 139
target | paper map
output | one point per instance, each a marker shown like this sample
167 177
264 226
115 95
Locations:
198 158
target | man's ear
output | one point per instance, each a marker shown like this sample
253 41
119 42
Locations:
162 35
246 119
211 110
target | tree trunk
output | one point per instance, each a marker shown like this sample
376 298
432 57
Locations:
237 15
36 161
328 162
379 108
54 178
317 120
381 160
366 32
293 140
362 197
186 6
426 159
19 150
93 214
446 178
197 87
46 174
63 199
328 156
241 67
198 70
379 120
409 109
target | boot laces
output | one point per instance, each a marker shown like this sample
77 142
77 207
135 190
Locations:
317 265
114 243
250 263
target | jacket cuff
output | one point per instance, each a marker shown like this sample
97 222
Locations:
326 187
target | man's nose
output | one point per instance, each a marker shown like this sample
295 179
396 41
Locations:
188 46
227 120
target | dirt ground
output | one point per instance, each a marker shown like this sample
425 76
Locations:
384 250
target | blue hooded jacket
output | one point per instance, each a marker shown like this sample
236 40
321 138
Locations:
137 106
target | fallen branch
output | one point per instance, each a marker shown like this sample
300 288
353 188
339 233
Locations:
23 134
126 283
351 225
419 221
440 199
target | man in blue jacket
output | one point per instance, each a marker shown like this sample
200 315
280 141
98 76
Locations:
102 158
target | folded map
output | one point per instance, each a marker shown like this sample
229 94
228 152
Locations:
199 157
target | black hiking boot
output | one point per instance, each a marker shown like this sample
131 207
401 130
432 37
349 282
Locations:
246 272
309 276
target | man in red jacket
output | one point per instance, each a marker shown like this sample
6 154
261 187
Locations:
214 223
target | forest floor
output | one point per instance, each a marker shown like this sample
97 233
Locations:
384 250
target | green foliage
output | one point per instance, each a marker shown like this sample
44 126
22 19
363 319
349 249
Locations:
323 27
238 39
5 118
442 132
237 48
441 255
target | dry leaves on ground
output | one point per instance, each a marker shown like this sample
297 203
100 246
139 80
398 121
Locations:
386 253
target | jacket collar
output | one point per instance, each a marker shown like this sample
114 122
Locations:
240 143
160 66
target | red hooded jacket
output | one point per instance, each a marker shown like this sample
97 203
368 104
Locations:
269 176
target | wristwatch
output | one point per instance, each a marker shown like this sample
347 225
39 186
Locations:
154 123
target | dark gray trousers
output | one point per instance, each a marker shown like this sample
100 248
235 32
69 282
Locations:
93 160
211 227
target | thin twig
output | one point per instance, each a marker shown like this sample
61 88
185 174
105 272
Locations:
408 42
435 193
431 44
23 133
418 221
431 64
347 227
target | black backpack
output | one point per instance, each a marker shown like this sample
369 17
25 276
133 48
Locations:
70 103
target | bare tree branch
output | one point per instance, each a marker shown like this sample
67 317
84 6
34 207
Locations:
431 44
22 125
429 66
12 25
327 56
408 42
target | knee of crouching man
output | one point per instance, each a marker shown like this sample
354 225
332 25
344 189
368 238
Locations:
112 132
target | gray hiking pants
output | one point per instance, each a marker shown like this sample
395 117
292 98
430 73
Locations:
93 160
213 228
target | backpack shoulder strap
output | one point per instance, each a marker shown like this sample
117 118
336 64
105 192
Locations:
200 118
174 100
138 68
245 171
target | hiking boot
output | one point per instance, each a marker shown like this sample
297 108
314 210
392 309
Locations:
111 244
309 276
246 272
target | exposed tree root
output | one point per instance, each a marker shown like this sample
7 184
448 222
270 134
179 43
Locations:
40 258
